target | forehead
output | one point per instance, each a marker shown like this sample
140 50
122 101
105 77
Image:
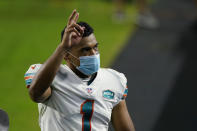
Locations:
87 41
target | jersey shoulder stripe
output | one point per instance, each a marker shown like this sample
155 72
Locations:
29 75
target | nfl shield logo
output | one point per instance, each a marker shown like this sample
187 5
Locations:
89 90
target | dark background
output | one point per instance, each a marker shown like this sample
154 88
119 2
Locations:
161 69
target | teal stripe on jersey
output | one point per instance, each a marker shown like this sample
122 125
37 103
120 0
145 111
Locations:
28 81
29 74
126 92
87 109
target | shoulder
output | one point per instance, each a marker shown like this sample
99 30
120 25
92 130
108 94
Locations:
118 82
115 78
30 73
34 68
64 71
64 68
115 75
110 71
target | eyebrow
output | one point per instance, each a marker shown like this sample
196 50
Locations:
89 47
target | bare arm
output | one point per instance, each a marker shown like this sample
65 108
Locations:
40 87
121 119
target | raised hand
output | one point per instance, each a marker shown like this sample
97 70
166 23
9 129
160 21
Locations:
73 32
40 89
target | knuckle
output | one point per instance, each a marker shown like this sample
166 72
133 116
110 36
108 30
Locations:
72 25
68 30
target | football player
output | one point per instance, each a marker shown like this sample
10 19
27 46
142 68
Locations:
79 95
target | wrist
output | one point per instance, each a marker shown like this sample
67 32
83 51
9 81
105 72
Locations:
64 45
61 49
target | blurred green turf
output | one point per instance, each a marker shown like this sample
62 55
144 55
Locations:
30 32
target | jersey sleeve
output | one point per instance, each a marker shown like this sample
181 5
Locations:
29 75
124 90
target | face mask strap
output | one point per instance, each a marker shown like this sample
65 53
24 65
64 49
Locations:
72 56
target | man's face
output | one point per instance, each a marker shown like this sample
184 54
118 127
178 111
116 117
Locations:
88 46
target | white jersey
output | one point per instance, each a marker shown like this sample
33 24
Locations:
76 106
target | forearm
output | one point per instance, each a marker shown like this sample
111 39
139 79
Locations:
121 119
44 77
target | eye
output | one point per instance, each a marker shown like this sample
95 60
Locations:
86 49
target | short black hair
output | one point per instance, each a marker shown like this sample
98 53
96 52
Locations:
88 29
